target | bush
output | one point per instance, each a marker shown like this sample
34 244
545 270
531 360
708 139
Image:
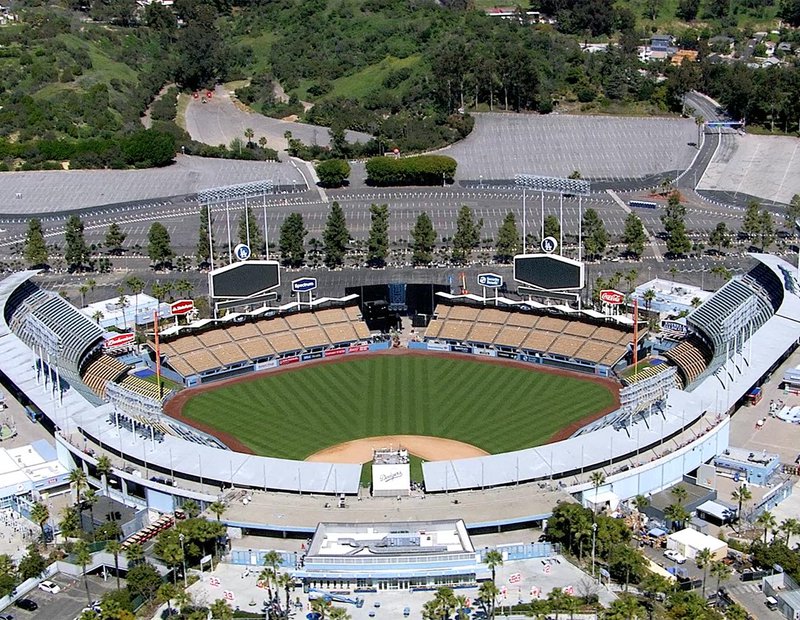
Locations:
421 170
333 172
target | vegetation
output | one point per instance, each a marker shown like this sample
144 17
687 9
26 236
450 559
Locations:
420 170
333 172
424 240
335 237
467 236
378 242
418 395
292 240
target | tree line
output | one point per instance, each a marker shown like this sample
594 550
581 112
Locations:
425 244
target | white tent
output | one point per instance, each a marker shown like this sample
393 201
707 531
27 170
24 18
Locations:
688 542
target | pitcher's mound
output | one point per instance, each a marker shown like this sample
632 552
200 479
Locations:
428 448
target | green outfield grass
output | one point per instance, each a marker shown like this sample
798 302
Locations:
495 407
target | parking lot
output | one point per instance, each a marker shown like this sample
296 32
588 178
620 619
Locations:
68 603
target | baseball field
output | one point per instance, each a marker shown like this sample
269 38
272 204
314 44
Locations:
494 406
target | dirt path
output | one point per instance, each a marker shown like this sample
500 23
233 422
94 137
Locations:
429 448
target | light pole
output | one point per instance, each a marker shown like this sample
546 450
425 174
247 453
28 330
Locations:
594 541
181 537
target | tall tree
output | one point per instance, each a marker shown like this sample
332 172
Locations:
791 216
378 242
158 245
39 515
507 239
674 222
552 227
468 234
634 236
703 559
721 236
203 251
114 239
114 547
292 240
83 556
752 220
766 229
35 249
249 231
423 242
335 237
595 235
741 495
77 252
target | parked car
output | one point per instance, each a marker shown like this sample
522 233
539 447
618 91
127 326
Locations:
49 586
673 555
26 604
6 617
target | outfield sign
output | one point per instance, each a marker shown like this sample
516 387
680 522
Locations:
549 245
612 297
549 272
304 285
490 280
674 326
242 251
120 340
182 306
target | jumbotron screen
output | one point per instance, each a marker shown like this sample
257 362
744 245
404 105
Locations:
244 279
548 272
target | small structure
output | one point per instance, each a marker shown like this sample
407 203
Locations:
785 592
353 556
126 311
689 542
670 299
31 469
391 472
753 467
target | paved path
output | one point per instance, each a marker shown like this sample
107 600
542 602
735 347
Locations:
653 243
221 119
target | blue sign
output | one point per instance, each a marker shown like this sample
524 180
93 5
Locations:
303 285
549 245
490 280
242 251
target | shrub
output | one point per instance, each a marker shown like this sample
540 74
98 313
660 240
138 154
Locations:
333 172
420 170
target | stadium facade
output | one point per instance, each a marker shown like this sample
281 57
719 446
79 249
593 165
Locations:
737 337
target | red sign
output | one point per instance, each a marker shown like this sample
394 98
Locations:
209 94
359 348
182 306
332 352
289 360
614 298
196 95
120 340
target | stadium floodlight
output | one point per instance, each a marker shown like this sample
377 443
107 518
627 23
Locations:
555 185
226 193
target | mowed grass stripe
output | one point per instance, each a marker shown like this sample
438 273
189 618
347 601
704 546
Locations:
494 407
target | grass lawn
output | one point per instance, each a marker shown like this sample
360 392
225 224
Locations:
415 469
495 407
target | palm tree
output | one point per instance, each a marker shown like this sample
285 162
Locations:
249 133
135 286
103 469
220 610
679 493
339 613
184 288
649 295
641 502
262 142
266 576
493 559
320 606
703 559
40 515
488 593
630 278
83 289
461 605
721 571
218 508
191 508
78 478
625 608
767 521
790 527
285 581
134 554
122 302
114 547
83 557
97 315
166 592
676 513
741 495
90 499
598 479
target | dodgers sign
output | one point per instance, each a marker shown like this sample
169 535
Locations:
490 280
242 251
303 285
549 245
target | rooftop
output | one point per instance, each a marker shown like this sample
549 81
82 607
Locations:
390 538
